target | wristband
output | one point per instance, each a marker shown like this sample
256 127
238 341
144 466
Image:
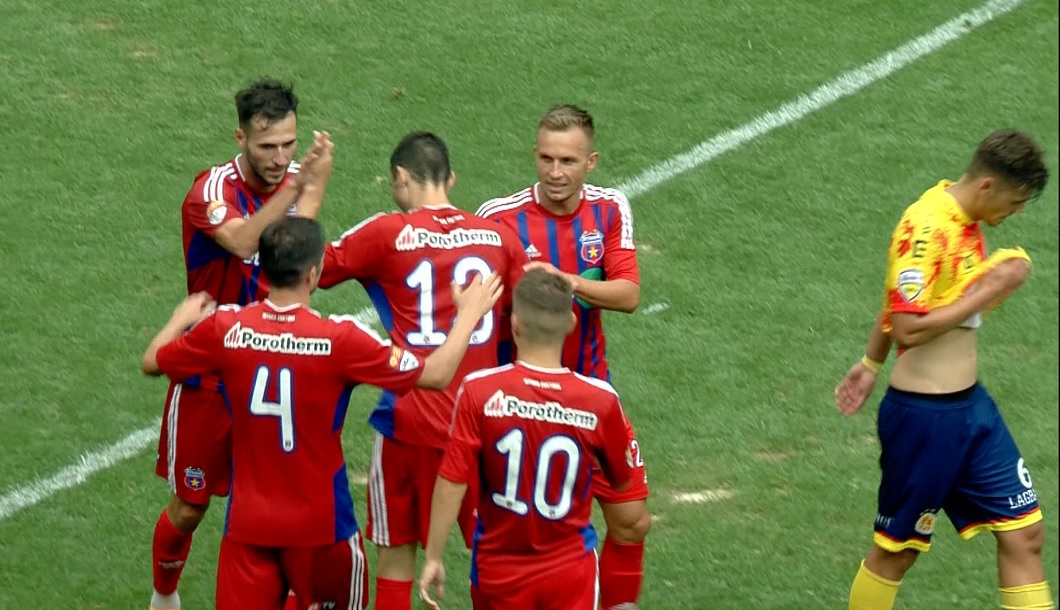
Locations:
871 364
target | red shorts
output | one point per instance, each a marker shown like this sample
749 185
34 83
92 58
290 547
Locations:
543 585
195 447
638 486
333 576
400 486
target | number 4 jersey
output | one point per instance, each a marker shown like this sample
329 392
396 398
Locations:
533 436
407 262
288 374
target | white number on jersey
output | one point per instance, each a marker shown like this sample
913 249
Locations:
284 409
511 445
422 279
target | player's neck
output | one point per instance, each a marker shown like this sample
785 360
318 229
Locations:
251 178
540 356
963 193
562 208
285 297
427 196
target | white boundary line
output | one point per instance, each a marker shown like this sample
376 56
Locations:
845 85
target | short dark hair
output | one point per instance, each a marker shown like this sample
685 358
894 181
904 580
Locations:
424 155
566 116
542 301
1015 157
288 248
266 98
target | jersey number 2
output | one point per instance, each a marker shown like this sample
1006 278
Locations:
422 279
282 408
511 444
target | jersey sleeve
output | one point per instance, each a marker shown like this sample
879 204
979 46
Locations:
357 254
914 263
364 357
620 251
460 462
209 205
612 454
193 353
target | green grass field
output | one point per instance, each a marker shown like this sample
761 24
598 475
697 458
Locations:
769 257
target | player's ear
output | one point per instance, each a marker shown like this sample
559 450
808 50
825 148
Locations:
593 158
516 331
241 138
451 182
572 324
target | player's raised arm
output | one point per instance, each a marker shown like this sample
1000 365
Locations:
472 303
191 310
240 235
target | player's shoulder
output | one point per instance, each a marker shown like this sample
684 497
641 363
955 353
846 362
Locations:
209 185
933 209
489 377
380 221
499 207
600 195
592 384
355 323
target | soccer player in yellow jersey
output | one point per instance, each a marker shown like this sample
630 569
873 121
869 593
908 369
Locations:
944 445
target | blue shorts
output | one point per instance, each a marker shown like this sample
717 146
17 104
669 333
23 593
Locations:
949 452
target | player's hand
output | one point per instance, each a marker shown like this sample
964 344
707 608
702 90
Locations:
193 309
550 268
1011 273
854 389
433 574
317 162
479 296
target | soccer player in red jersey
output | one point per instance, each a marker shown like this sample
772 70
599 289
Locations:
529 434
585 233
404 260
288 374
224 213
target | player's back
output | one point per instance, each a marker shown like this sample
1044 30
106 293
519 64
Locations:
594 242
407 262
218 195
288 392
541 432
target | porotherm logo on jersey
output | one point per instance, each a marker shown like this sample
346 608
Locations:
592 246
414 238
910 284
500 405
216 212
238 337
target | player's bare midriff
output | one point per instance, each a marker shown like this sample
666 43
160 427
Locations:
947 363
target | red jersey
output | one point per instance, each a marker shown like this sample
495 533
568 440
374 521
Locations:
288 375
217 196
595 242
533 436
406 262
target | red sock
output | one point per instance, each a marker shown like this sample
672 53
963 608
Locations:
393 594
621 573
169 551
292 602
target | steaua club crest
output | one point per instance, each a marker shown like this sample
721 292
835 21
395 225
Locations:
592 247
194 478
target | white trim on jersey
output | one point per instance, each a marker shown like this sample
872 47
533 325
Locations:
540 369
294 167
171 438
600 383
593 192
377 507
357 592
344 318
357 227
596 584
503 204
238 167
214 188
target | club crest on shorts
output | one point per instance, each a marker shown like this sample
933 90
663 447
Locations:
194 478
216 212
910 284
592 246
925 525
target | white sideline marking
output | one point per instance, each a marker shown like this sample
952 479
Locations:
92 462
702 497
844 85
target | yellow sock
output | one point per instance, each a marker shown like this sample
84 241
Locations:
872 592
1027 597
